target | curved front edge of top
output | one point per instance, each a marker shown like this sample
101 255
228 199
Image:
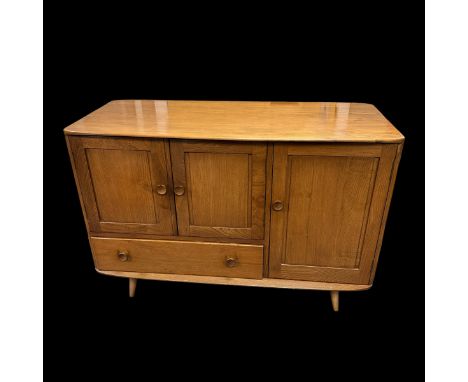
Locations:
239 121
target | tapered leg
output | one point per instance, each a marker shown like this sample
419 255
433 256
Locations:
335 297
132 286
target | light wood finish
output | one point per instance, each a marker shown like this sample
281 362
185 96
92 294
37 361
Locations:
177 238
119 178
132 283
77 181
181 257
268 194
396 163
335 298
333 199
223 188
315 209
269 178
245 121
170 185
265 282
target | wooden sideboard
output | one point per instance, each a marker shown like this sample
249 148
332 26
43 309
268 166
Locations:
272 194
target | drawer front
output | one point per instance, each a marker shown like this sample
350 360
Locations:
179 257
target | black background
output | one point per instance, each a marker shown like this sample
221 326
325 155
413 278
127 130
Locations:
362 53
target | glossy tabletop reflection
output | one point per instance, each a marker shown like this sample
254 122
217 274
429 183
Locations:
240 120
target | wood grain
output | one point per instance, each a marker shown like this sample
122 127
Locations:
335 298
332 166
118 179
333 198
245 121
218 189
132 283
77 181
224 188
170 185
124 235
265 283
269 180
387 207
131 200
375 219
328 202
182 257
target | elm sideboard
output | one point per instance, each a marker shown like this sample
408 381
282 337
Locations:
272 194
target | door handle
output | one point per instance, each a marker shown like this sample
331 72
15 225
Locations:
161 189
278 205
179 190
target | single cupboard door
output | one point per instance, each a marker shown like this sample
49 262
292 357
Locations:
219 188
328 202
124 184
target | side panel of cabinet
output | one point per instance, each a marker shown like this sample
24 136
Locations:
119 180
220 188
333 199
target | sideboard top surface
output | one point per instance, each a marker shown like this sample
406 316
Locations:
239 120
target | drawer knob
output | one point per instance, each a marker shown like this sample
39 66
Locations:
161 189
278 205
123 255
231 261
179 190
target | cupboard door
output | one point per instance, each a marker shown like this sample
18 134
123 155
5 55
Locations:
219 188
124 184
328 203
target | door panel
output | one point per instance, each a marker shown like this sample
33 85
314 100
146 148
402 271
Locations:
205 170
120 180
133 196
223 188
333 197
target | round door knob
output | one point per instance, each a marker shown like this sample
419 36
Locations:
231 261
123 256
161 189
277 206
179 190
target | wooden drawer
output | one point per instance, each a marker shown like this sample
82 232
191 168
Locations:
180 257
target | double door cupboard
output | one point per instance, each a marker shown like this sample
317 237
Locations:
288 195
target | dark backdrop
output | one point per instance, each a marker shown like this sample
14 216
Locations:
127 51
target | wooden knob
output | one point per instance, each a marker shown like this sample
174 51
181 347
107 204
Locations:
179 190
161 189
278 205
231 261
123 255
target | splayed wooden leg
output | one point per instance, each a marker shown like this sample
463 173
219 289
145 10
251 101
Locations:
132 286
335 297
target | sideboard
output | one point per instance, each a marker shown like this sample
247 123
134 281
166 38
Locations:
272 194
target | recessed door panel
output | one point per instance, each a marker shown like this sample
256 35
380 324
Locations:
219 192
328 202
122 185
